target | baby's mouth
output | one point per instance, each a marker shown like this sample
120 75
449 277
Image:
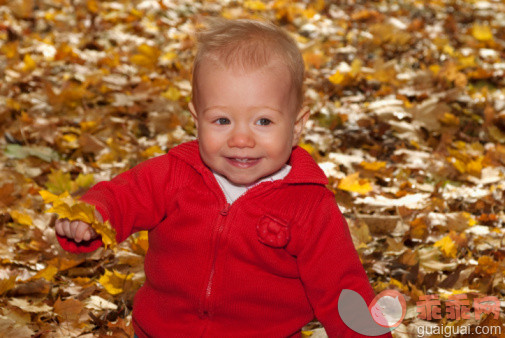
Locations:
243 162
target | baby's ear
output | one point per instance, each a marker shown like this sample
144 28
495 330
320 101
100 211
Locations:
192 110
301 119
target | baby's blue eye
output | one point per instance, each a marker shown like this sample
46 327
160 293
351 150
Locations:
264 122
222 120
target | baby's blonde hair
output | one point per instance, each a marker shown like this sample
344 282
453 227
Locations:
249 44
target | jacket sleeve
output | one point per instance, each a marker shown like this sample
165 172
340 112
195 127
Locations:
134 200
328 263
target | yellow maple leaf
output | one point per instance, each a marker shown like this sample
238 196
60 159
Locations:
70 139
448 49
374 166
447 246
29 63
136 13
58 182
353 183
356 67
151 151
84 181
147 56
107 232
466 61
337 78
172 93
435 69
469 217
474 167
482 32
169 56
49 197
398 284
449 119
88 125
21 218
458 164
50 16
12 104
116 153
308 147
114 281
74 212
66 207
255 5
140 242
48 273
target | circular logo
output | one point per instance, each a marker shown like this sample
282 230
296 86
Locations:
388 308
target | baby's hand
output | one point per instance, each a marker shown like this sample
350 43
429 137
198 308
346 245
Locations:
76 230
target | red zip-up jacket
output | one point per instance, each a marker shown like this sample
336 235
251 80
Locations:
262 267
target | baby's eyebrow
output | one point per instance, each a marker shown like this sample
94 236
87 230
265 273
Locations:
262 108
213 107
254 107
269 108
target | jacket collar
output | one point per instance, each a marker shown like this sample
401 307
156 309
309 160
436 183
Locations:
303 168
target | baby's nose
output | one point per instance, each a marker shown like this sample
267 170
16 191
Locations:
241 138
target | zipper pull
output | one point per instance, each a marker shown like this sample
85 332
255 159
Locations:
224 211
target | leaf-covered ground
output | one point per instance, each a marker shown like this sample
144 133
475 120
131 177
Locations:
408 102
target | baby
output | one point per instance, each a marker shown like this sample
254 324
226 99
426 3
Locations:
245 240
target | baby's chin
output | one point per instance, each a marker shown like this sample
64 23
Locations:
242 181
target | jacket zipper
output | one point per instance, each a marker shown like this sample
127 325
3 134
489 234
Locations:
208 290
223 212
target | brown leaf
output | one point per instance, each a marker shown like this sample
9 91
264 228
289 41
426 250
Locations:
70 309
22 9
450 281
7 284
90 144
419 229
11 328
367 15
360 233
487 265
63 263
39 286
6 194
409 258
380 224
121 329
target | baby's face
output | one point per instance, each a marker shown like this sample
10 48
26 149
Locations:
247 121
